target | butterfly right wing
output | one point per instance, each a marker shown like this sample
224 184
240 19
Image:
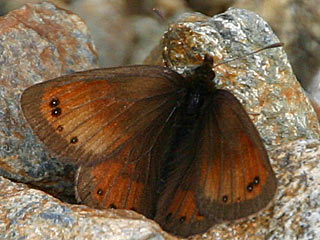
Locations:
222 171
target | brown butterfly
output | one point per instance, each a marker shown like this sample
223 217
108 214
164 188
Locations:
175 149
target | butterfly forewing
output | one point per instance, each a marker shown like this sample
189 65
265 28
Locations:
88 115
110 121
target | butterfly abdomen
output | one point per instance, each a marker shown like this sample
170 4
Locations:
188 114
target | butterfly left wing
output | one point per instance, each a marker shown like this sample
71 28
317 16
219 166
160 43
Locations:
108 121
224 175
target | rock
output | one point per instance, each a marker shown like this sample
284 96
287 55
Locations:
109 23
32 214
37 42
296 24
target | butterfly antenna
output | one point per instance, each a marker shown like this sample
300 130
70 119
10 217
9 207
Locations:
274 45
159 14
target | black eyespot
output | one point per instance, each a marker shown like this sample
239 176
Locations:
182 219
74 140
112 206
168 217
56 112
250 187
60 128
54 102
256 180
99 192
225 198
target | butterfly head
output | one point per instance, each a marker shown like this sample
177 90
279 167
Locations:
202 73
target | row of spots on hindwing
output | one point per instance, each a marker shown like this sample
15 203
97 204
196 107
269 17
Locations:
250 188
169 216
112 205
56 112
182 219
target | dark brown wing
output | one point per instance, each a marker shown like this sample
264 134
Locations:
108 121
178 209
229 177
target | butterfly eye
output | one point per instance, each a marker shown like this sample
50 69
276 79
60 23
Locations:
54 102
74 140
100 192
56 112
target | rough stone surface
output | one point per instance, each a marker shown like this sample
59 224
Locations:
111 29
32 214
296 22
263 82
37 42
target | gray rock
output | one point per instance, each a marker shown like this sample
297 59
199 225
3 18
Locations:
37 42
32 214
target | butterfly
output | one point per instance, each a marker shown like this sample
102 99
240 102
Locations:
176 149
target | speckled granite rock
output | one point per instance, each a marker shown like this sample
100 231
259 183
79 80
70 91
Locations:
31 214
37 42
296 22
